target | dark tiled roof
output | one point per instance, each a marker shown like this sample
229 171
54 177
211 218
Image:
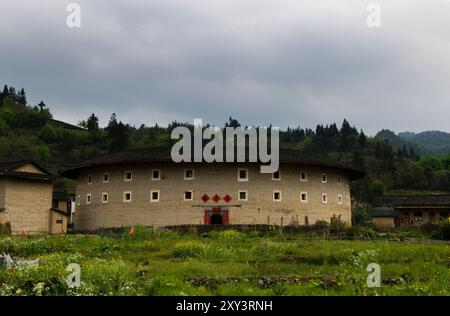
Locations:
384 212
287 156
66 125
60 195
7 168
57 210
412 200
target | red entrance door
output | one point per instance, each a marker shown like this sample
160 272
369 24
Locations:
216 215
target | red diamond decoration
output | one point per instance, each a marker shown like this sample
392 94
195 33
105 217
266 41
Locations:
227 198
216 198
205 198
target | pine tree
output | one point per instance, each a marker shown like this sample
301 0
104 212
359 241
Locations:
92 123
118 134
362 139
22 98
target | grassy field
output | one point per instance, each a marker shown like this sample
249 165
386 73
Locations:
223 263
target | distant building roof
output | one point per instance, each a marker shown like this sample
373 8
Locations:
9 168
385 212
162 154
412 200
66 125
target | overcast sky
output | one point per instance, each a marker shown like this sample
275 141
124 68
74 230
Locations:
285 62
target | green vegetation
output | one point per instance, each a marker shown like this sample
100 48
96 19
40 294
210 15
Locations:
30 132
224 263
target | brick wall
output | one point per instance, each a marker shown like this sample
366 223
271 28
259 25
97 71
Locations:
27 204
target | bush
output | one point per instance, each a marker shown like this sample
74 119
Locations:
443 232
361 232
414 234
189 249
3 127
336 224
321 224
5 229
47 134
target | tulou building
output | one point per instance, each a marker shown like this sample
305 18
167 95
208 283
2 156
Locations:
146 187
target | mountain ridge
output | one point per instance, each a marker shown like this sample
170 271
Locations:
434 142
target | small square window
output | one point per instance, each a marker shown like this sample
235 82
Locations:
104 197
339 180
242 175
242 195
127 196
418 216
303 176
277 196
128 176
89 179
188 196
154 196
304 197
88 198
188 174
324 198
340 199
156 174
276 175
324 178
105 177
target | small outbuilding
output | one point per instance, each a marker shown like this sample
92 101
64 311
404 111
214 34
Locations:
406 211
384 218
26 199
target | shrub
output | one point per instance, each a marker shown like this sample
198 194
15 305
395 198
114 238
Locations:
5 229
336 224
414 234
321 224
3 127
230 234
361 232
47 134
443 232
188 249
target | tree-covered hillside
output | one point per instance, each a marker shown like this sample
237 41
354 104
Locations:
31 132
434 143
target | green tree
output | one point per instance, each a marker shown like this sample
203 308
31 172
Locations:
3 127
362 139
118 134
92 123
47 134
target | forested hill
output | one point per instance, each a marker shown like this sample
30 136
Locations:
434 143
31 132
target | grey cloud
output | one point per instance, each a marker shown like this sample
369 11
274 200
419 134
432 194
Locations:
281 62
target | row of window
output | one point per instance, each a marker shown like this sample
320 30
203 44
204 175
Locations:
242 175
189 196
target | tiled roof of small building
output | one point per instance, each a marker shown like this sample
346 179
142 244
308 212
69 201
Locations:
7 168
412 200
384 212
162 154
